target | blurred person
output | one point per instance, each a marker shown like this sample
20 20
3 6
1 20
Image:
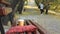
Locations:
41 7
11 15
3 3
47 8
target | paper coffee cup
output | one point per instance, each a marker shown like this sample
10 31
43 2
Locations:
21 22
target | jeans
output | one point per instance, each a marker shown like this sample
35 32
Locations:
1 26
41 11
11 18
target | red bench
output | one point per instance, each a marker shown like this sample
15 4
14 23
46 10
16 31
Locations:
22 29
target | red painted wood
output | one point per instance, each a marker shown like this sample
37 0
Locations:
29 29
29 32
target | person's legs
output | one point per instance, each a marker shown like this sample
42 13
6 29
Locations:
1 27
5 20
46 11
11 18
41 11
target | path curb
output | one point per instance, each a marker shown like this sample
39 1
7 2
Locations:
54 13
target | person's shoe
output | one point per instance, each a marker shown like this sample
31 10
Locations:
41 14
46 13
